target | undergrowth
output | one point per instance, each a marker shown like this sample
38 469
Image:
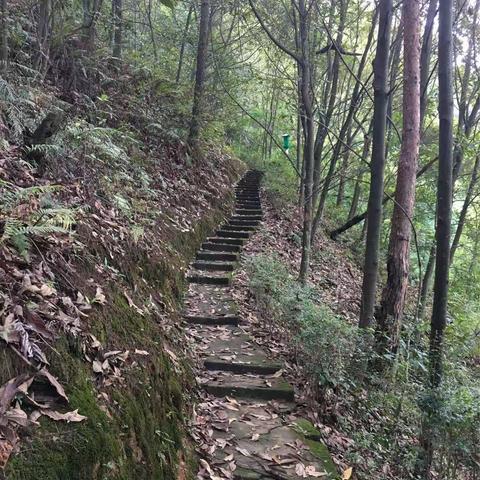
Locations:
380 411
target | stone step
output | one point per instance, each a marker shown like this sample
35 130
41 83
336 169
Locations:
220 247
244 223
238 228
248 196
213 319
248 211
256 367
248 205
248 386
226 240
217 256
213 266
232 234
247 217
245 201
208 279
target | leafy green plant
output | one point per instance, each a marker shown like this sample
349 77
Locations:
31 212
326 342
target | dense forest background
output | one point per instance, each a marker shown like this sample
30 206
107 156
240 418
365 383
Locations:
124 117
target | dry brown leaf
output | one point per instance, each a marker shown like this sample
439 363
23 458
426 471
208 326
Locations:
67 417
346 475
54 382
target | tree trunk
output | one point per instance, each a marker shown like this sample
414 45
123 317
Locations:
117 14
323 129
202 50
43 37
427 281
184 41
309 145
425 58
377 167
343 170
152 31
390 314
3 37
463 212
444 191
91 9
442 230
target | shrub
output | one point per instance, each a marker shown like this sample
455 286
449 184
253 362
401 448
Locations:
326 343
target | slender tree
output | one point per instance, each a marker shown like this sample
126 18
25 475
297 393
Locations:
377 167
202 51
444 190
117 21
398 261
3 36
184 41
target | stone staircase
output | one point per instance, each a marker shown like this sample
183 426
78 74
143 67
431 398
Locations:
236 367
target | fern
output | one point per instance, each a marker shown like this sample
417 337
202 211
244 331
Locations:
43 218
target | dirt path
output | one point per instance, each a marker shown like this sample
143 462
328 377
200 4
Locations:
252 428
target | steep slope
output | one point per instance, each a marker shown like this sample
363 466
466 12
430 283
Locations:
98 225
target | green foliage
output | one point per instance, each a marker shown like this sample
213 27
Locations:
31 212
326 342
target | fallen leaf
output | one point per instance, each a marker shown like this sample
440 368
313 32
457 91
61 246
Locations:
68 417
347 473
54 382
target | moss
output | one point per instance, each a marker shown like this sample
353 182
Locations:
74 451
143 436
311 436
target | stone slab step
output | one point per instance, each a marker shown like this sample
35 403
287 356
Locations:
259 367
213 266
209 279
249 386
213 319
248 211
220 247
233 234
226 240
244 223
248 206
249 202
247 217
217 256
238 228
247 196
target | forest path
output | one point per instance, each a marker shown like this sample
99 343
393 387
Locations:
252 427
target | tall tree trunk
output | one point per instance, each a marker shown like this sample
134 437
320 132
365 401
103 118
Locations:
91 10
390 314
444 190
377 167
184 41
344 168
323 129
202 50
309 145
43 37
425 56
463 212
427 281
465 123
117 17
152 31
442 230
3 37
